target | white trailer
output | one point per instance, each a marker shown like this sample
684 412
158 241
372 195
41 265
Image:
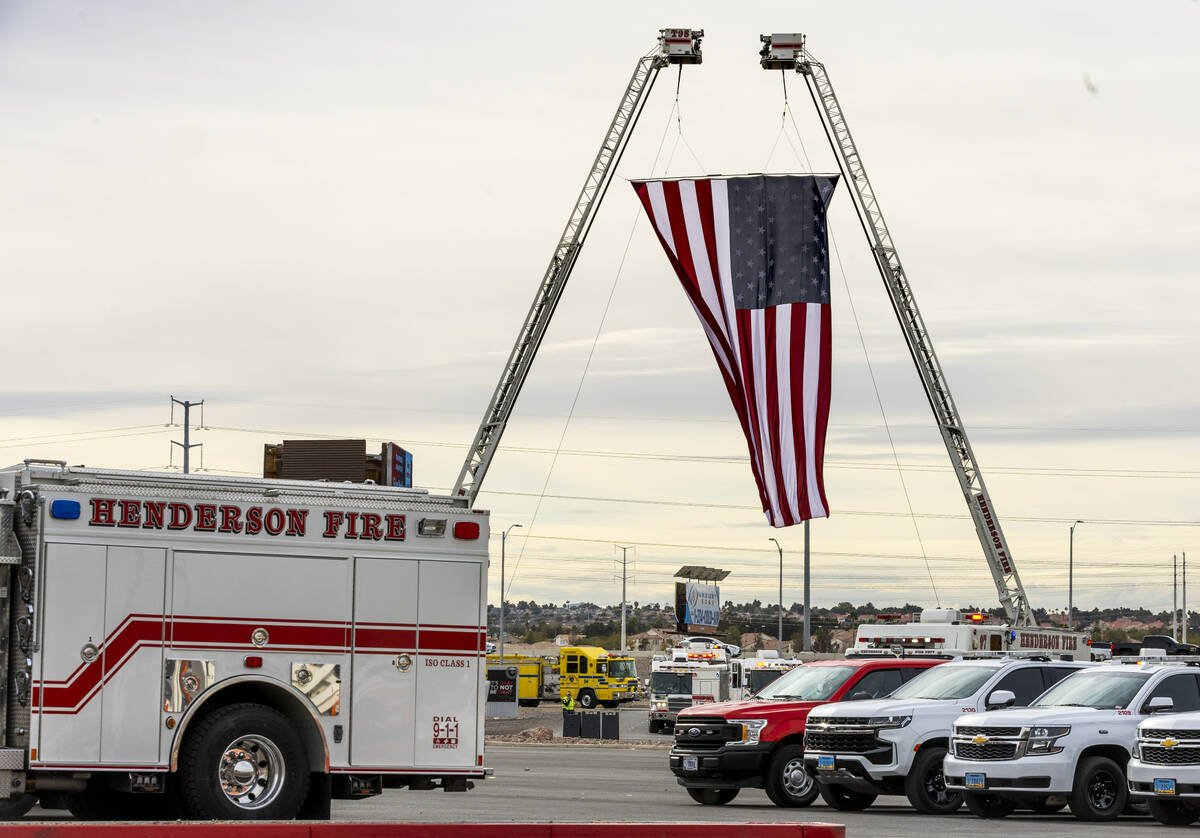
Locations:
235 648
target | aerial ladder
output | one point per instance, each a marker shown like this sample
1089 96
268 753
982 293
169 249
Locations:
675 46
788 52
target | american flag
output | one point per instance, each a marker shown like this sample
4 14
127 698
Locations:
751 254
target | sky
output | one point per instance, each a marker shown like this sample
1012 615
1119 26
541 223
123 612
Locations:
329 220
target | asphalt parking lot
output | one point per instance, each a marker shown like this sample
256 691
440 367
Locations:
580 783
570 783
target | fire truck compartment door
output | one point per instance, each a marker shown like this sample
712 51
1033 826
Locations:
449 683
383 685
97 658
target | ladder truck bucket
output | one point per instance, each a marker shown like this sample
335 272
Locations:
781 50
681 46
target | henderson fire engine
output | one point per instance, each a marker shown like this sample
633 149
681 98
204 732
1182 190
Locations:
237 648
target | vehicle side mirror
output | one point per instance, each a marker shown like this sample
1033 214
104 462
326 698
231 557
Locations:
861 695
1160 704
1001 698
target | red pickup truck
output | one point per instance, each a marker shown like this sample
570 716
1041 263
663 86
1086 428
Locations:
759 743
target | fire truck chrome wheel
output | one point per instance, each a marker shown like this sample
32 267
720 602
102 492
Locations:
252 771
243 761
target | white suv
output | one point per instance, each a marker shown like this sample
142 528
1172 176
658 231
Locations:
896 745
1166 767
1070 746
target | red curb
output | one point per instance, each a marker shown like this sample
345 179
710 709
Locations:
423 830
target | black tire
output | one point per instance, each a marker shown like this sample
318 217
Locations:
712 797
1099 792
243 762
845 800
15 808
586 699
988 805
925 784
788 781
1173 812
654 726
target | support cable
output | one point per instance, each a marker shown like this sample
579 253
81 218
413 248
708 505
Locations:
595 340
870 367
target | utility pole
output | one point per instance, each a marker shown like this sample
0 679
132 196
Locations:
624 552
780 549
186 445
807 602
1071 577
503 537
1184 615
1175 597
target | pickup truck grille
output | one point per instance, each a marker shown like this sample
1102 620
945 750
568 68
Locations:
841 742
709 734
987 731
988 751
1156 755
835 721
1170 734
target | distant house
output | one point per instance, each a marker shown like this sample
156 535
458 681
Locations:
654 640
564 640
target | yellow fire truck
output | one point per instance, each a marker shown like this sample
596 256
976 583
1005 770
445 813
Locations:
589 674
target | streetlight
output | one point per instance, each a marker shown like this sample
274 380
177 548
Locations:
1071 577
503 536
778 547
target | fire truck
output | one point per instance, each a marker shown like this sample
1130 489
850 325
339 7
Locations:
588 674
234 648
681 683
749 675
947 632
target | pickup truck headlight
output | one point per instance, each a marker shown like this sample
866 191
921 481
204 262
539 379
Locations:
1137 749
889 721
1044 740
751 730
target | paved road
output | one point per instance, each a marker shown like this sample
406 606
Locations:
574 783
566 783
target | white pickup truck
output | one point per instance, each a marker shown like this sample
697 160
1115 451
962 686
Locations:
896 745
1165 768
1071 746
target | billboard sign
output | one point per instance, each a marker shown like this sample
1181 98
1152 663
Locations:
397 466
702 605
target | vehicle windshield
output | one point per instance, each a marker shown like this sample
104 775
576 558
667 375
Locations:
807 683
758 678
946 682
1102 690
622 669
671 683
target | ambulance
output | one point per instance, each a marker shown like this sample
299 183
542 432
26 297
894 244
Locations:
234 648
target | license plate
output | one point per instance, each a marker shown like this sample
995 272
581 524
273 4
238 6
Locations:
825 763
976 781
1164 786
691 763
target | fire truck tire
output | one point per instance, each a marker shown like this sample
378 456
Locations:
712 797
845 800
243 762
1173 812
586 699
925 785
654 726
988 805
1099 792
15 809
788 782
